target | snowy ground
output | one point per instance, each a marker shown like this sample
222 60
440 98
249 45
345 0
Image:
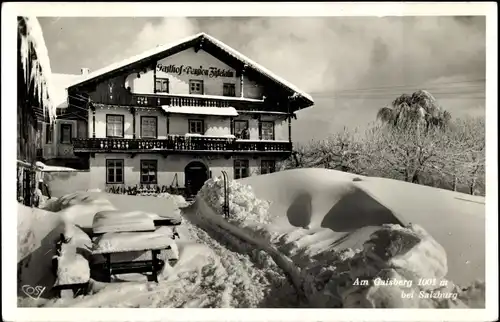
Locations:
327 222
282 246
209 273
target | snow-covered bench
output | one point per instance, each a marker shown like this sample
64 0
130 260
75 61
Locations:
132 252
119 221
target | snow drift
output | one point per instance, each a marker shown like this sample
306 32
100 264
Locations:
317 210
327 219
183 285
38 231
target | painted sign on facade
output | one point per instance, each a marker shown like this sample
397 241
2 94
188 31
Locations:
211 72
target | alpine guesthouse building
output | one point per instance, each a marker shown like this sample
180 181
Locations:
180 114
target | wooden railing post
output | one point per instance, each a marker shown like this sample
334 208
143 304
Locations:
168 123
242 74
132 110
93 120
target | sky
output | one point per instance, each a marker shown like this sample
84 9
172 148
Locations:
352 66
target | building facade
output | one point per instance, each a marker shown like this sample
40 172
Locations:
34 104
180 114
56 141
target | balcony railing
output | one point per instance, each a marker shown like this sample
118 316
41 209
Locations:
179 144
152 100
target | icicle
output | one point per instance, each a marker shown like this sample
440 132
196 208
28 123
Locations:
40 71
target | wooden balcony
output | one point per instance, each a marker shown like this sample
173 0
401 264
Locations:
180 144
157 100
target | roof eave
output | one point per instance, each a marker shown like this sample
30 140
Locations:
149 55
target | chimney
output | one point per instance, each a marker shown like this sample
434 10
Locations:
85 71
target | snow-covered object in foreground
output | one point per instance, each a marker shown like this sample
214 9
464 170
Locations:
178 200
170 253
76 237
118 221
394 261
124 257
128 241
243 205
37 233
72 268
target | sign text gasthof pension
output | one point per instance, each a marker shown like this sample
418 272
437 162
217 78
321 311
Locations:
211 72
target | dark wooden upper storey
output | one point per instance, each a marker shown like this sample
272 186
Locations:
278 96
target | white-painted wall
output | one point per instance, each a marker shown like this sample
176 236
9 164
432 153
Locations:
179 84
167 167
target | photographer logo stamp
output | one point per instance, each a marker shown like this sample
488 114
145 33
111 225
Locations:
33 291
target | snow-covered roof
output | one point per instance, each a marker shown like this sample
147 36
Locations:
258 67
201 110
134 59
220 44
40 70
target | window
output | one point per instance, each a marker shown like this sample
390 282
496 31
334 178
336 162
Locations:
49 133
267 130
229 90
114 171
149 171
148 126
195 86
114 126
162 85
196 126
240 169
267 166
65 135
239 127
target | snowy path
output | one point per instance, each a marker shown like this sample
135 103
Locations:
256 281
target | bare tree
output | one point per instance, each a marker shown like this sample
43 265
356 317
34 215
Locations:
405 153
467 165
342 151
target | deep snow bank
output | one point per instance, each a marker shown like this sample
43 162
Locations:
243 205
283 262
390 252
197 280
397 268
37 233
343 212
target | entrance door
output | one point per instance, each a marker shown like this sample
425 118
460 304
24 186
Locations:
195 174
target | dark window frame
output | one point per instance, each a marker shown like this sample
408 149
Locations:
272 166
232 86
123 125
200 81
114 173
247 125
156 123
150 161
238 166
162 80
62 126
202 126
261 132
49 133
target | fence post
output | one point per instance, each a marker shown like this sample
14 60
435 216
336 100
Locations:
225 207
